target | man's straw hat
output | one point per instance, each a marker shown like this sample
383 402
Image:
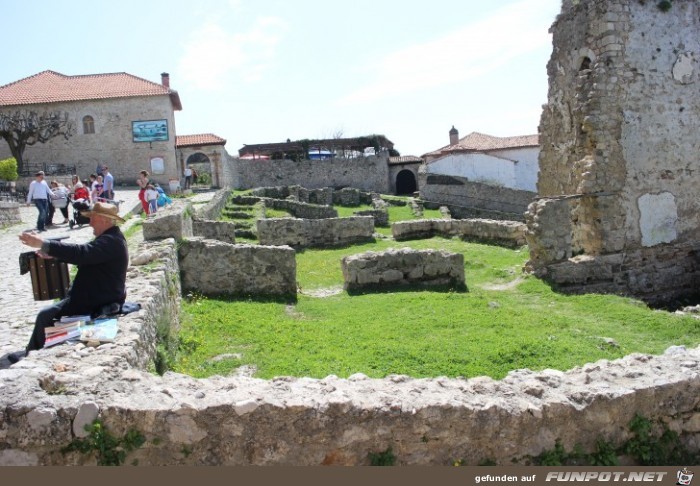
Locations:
104 209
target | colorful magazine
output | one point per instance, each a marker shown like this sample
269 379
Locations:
103 331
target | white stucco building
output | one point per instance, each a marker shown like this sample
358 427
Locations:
510 162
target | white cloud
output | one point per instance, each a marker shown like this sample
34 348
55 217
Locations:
212 54
469 52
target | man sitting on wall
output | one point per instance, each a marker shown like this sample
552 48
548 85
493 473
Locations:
101 278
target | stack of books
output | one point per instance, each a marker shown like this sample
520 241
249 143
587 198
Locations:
69 327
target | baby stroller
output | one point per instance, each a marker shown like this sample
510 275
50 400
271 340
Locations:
78 219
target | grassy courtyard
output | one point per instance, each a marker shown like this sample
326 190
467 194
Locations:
504 321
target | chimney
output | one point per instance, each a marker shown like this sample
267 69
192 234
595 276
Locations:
454 136
165 79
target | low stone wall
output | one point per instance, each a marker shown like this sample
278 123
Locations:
215 230
509 233
380 216
212 210
467 199
215 268
347 196
174 222
9 214
315 233
404 266
298 209
47 398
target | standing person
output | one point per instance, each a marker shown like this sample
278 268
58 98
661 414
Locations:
99 170
101 277
59 200
91 186
97 192
108 189
194 176
142 182
40 194
188 177
152 198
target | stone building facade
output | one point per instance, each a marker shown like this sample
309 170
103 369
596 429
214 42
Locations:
205 153
619 210
103 109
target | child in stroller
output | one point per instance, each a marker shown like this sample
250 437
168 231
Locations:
78 206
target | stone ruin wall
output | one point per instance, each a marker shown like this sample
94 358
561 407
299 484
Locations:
366 173
298 209
315 233
620 151
213 267
9 213
48 398
469 199
214 230
399 267
508 233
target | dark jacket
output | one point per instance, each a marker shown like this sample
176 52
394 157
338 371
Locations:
102 264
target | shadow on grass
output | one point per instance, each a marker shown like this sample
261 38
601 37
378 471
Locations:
391 289
343 246
263 299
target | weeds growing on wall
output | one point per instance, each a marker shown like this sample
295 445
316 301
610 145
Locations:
108 449
651 445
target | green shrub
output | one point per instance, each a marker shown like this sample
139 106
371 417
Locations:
8 169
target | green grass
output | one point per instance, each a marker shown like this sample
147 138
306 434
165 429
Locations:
505 321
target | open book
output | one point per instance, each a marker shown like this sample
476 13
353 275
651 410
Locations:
103 331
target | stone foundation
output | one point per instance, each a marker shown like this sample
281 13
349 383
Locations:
469 199
215 268
315 233
212 210
296 208
46 398
174 222
215 230
396 268
508 233
9 214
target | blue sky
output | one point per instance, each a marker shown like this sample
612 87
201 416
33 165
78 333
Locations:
259 71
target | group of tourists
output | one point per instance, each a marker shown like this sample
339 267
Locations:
47 197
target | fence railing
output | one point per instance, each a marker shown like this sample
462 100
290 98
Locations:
50 169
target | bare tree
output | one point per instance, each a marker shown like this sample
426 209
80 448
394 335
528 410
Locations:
24 128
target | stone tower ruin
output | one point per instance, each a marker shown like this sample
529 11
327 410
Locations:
619 183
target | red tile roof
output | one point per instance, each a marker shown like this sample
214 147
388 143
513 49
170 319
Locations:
198 140
480 142
53 87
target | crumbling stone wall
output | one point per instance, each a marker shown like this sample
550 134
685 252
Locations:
403 266
174 222
468 199
215 230
47 398
315 233
508 233
298 209
619 160
212 209
366 173
9 213
213 267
